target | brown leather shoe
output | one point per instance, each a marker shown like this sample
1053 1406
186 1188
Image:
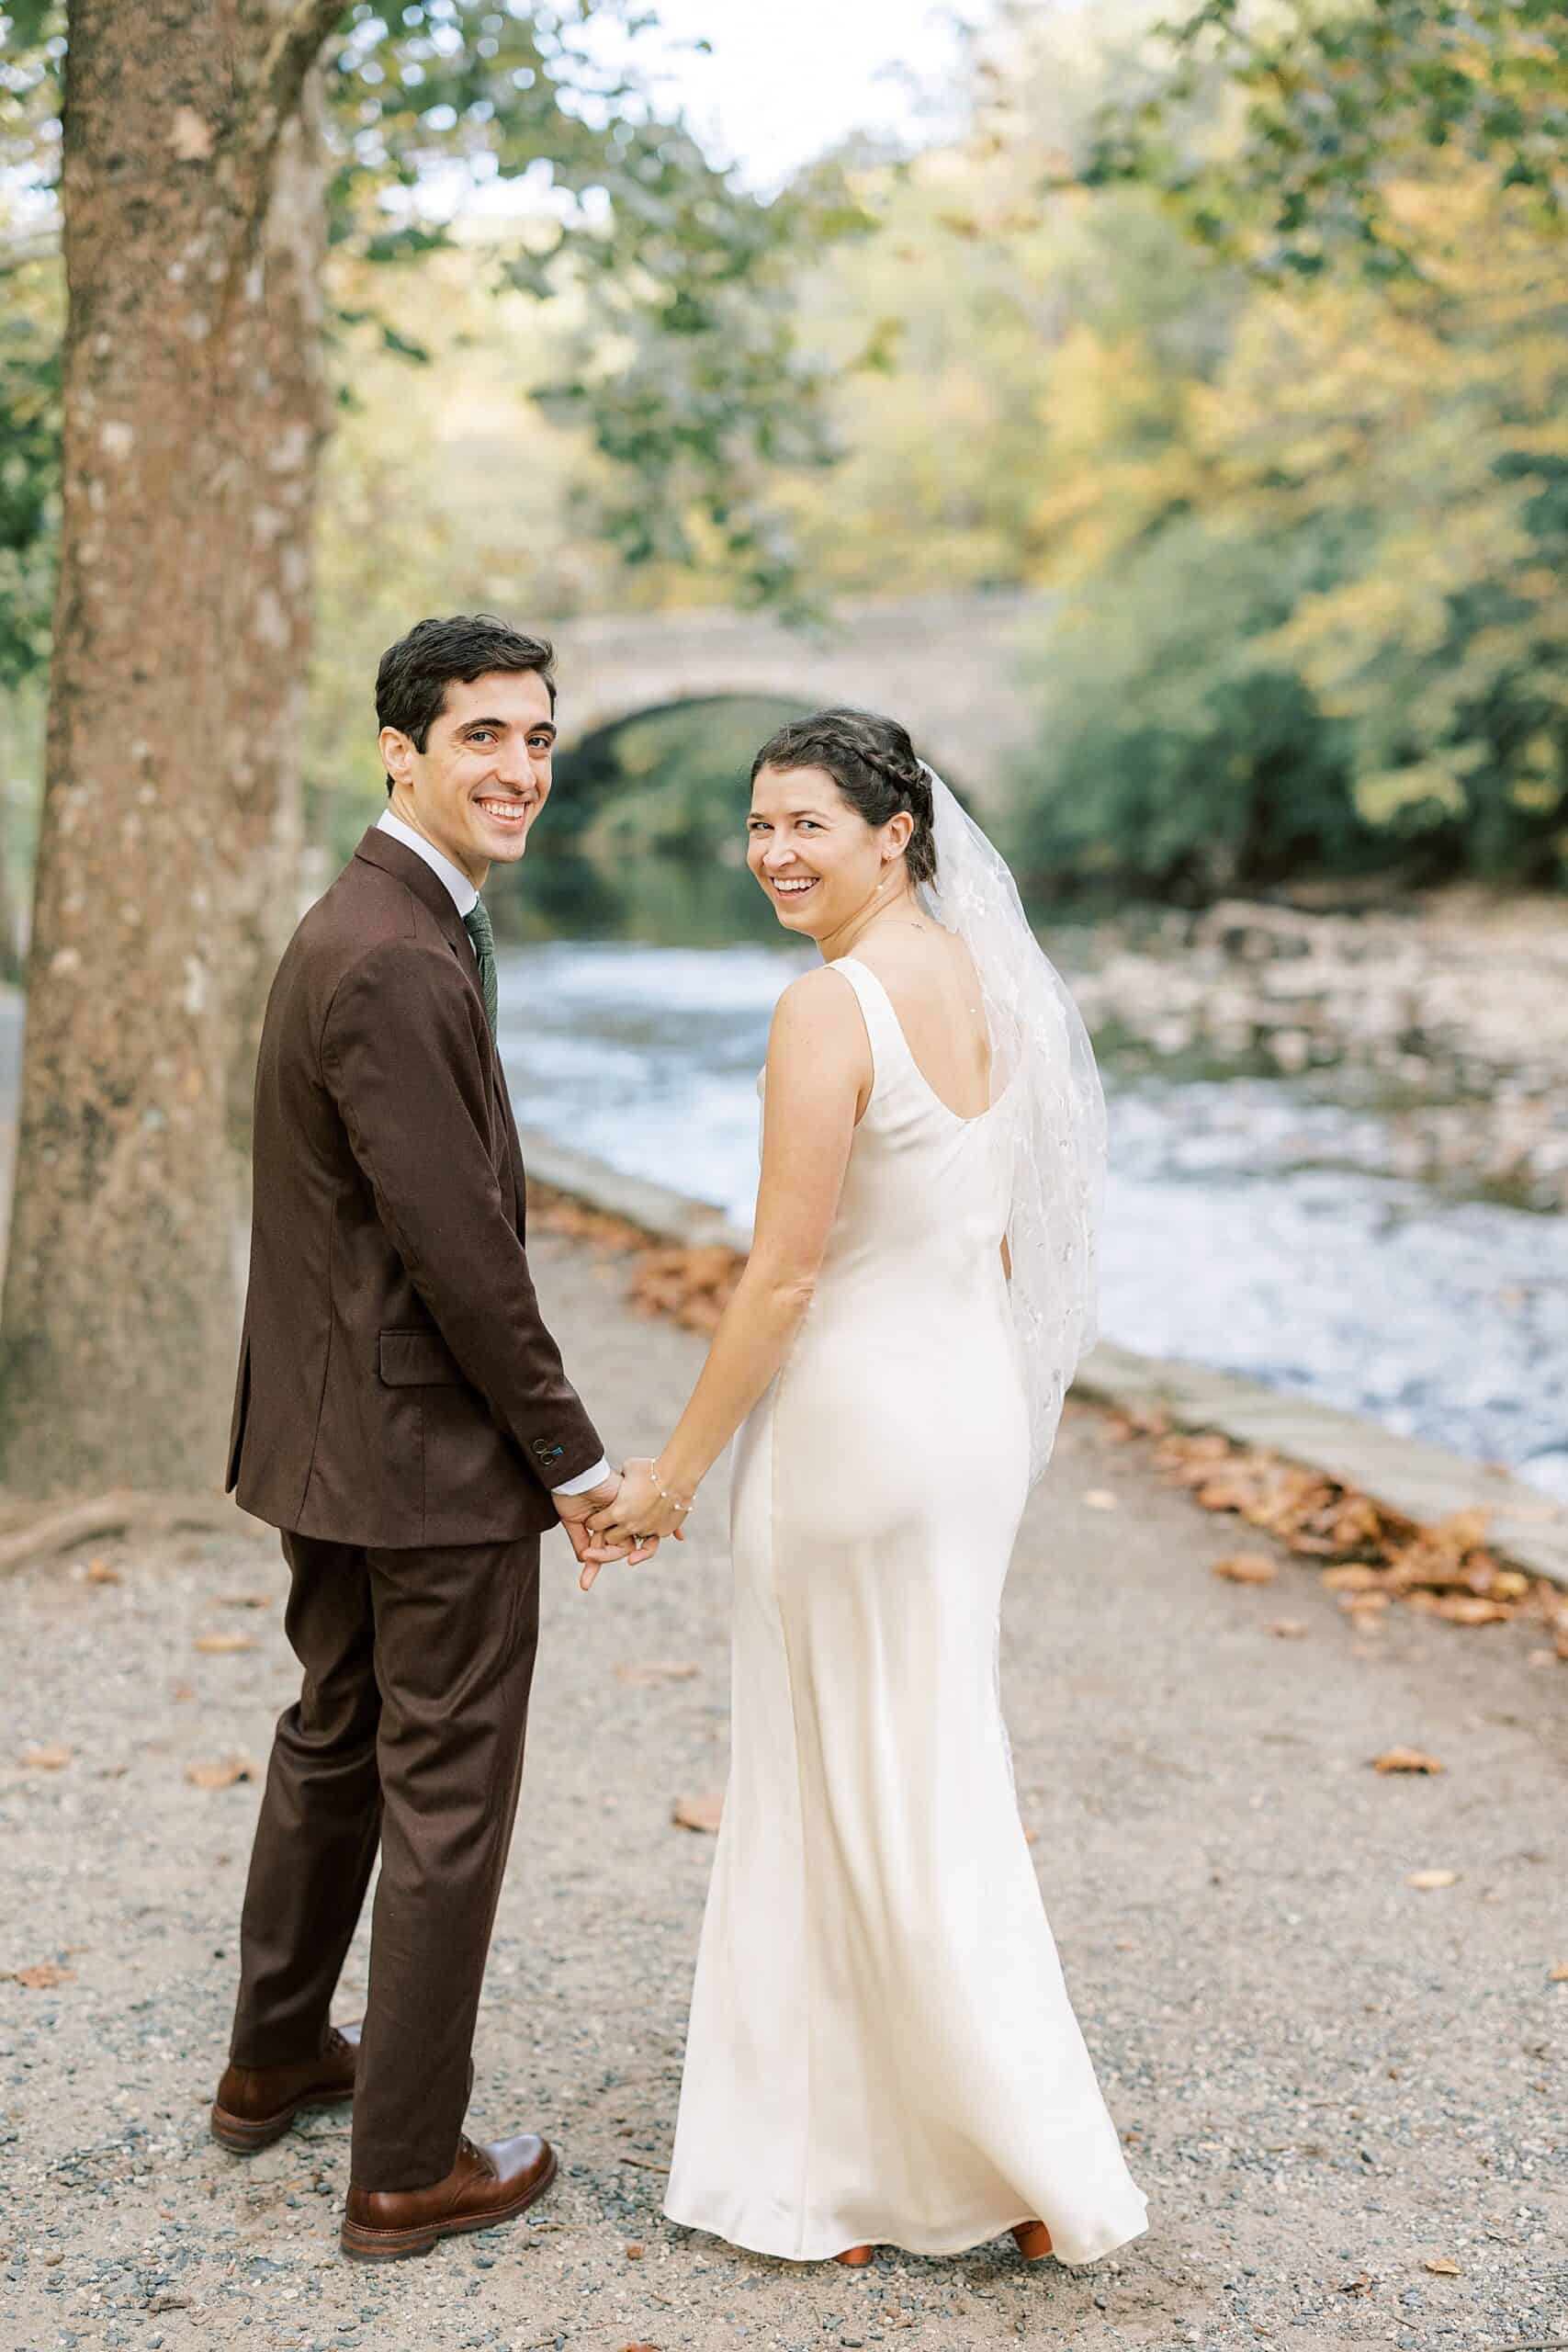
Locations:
255 2105
485 2186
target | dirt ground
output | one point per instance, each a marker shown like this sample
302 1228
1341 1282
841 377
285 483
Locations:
1327 2080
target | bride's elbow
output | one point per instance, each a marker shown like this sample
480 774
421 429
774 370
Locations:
785 1291
795 1293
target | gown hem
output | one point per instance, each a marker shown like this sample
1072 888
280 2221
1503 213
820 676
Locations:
758 2239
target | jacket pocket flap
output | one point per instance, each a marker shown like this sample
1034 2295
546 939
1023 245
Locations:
417 1360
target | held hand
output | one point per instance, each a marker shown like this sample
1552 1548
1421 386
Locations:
644 1507
573 1511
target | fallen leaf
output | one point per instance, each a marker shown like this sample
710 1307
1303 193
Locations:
1227 1493
1289 1629
42 1978
1353 1576
634 2251
657 1669
1427 1879
1099 1498
1360 2285
100 1572
222 1775
1469 1609
1559 1975
51 1758
1247 1567
698 1813
1404 1759
1442 2266
222 1644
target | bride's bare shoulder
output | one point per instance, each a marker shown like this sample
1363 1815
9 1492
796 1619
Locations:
822 994
816 1016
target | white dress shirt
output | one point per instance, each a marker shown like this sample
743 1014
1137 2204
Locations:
465 898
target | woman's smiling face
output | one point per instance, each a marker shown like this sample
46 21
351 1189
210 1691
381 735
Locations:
815 857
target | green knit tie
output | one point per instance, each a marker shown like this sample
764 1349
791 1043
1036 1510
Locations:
477 923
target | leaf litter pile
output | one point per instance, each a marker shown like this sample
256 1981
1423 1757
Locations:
691 1284
1368 1554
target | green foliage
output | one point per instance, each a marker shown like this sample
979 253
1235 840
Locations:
30 315
1314 564
1179 754
683 362
30 471
1326 102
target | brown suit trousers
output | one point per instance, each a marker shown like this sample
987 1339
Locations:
409 1729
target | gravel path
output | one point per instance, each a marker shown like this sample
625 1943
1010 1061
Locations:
1325 2079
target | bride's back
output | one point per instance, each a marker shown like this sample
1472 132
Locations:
931 984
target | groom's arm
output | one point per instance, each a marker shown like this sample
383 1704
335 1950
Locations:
403 1061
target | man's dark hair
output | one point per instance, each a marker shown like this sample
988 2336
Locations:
413 675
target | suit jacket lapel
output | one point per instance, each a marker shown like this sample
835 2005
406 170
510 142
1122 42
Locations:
395 857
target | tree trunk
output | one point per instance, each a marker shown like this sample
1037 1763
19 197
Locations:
167 861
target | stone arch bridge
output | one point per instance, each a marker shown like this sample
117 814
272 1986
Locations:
947 666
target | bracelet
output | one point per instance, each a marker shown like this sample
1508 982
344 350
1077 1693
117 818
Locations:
662 1491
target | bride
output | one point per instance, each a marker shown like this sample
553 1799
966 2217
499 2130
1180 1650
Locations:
881 2049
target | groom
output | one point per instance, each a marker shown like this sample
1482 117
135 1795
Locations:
403 1416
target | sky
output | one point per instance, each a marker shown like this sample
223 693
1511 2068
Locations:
783 83
775 88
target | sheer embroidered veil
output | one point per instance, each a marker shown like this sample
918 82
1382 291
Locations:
1046 1087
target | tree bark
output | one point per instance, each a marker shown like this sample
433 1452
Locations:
168 854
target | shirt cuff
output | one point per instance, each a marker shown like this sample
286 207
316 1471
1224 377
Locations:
584 1479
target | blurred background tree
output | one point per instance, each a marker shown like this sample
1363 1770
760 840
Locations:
1314 570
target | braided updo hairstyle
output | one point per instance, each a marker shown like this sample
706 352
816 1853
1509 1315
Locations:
874 766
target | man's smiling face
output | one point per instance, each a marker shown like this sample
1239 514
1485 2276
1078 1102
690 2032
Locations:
484 773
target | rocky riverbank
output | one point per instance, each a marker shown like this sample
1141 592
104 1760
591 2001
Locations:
1448 1013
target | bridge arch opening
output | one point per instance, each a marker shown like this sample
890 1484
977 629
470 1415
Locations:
671 776
667 777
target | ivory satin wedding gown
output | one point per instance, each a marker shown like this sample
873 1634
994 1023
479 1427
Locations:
881 2049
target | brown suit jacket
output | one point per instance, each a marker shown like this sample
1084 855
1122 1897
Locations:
397 1385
